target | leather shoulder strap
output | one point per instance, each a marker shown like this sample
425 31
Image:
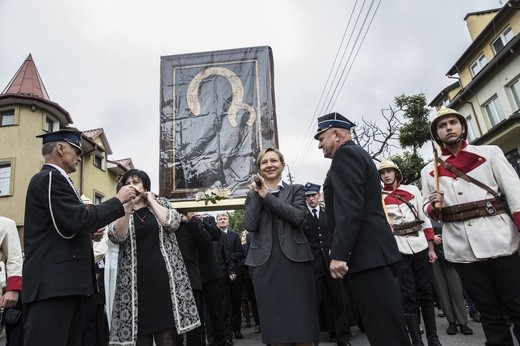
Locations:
468 178
410 205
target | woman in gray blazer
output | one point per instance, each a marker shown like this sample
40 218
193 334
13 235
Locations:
279 256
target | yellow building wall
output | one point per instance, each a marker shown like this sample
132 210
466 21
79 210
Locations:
487 48
20 143
477 22
95 180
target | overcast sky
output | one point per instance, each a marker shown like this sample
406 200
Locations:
100 59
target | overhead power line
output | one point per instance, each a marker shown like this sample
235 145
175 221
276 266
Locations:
340 70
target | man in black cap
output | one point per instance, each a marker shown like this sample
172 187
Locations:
362 242
315 229
58 269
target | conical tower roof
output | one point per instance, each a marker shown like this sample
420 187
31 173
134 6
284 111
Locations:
27 81
26 87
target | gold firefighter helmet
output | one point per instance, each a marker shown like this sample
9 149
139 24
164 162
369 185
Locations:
442 112
385 164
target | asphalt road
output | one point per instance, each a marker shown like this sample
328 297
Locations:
251 339
459 339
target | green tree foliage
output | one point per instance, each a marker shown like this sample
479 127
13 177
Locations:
406 130
413 134
235 220
410 163
415 131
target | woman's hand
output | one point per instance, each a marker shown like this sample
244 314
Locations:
259 185
149 197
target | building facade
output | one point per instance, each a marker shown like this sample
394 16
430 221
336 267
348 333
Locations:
27 111
487 91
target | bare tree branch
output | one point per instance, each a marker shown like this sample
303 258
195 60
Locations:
378 140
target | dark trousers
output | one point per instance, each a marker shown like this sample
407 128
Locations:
378 298
235 296
250 293
416 277
59 321
95 333
495 286
334 290
14 331
218 308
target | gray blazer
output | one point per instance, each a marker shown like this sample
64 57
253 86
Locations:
283 214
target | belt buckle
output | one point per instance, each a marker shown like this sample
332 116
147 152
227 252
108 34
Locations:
490 209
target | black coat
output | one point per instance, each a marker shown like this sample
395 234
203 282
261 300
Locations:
55 264
189 236
318 236
232 242
360 232
208 262
224 257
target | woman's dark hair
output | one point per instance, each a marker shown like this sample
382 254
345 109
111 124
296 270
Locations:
139 174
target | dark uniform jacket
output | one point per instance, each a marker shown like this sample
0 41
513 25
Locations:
319 240
60 265
360 232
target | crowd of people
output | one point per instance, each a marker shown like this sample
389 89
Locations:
373 254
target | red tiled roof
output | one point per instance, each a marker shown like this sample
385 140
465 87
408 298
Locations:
93 133
27 81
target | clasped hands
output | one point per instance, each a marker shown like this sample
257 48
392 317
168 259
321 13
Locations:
338 269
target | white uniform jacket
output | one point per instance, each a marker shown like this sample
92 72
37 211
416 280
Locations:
480 238
11 252
399 212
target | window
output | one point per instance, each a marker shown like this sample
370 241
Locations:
98 161
5 178
98 198
515 91
478 65
503 39
471 128
7 117
50 124
514 159
494 111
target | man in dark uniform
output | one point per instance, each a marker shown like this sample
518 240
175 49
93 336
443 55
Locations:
58 269
315 229
362 241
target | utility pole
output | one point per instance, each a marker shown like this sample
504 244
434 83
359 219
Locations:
289 174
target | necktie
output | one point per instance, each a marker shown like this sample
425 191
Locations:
314 212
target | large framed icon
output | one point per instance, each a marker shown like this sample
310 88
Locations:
217 113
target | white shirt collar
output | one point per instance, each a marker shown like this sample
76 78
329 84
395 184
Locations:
277 188
317 209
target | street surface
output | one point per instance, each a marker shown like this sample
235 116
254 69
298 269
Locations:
252 339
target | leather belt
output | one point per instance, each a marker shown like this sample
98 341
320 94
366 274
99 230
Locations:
407 228
472 210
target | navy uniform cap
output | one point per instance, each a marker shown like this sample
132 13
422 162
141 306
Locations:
72 137
330 120
311 189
